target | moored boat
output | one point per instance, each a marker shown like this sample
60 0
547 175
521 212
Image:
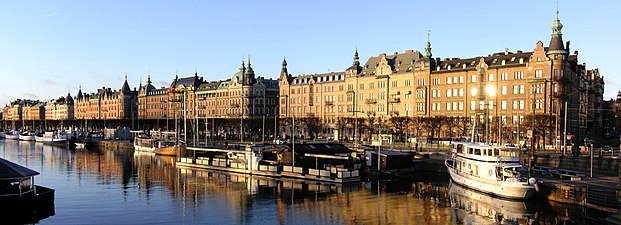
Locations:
19 193
12 135
144 143
27 136
495 170
56 138
2 134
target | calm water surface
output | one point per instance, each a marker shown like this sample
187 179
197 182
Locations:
126 187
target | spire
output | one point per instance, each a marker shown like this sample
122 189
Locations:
149 78
427 53
249 71
556 41
284 63
356 62
125 89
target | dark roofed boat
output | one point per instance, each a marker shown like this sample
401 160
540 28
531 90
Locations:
21 199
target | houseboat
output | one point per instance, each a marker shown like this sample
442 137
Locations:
491 169
20 196
317 161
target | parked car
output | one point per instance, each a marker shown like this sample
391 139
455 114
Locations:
606 148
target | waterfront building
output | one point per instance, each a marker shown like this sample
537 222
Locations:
244 101
116 106
22 112
60 109
517 95
153 103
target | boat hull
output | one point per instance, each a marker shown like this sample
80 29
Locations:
512 190
2 135
12 136
26 138
170 151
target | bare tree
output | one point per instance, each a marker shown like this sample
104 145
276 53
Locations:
398 123
313 125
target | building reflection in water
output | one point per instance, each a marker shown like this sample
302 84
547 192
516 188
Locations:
198 196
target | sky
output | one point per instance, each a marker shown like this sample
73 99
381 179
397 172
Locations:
50 48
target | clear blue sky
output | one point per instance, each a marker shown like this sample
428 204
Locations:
50 47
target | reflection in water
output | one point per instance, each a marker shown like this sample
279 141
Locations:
126 187
472 207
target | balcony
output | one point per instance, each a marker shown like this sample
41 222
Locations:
234 105
370 101
394 113
394 100
329 102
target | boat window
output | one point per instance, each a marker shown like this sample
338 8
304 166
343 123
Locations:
496 152
469 150
477 151
489 152
460 148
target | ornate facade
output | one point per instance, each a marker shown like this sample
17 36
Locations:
414 94
60 109
107 104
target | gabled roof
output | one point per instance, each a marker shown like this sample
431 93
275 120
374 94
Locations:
11 170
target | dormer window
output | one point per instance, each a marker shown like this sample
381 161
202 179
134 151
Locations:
521 60
503 62
464 66
512 58
449 67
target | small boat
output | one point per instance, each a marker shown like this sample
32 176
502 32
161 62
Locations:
12 135
55 138
491 169
2 135
27 136
144 143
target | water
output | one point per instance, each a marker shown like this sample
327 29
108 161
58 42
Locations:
126 187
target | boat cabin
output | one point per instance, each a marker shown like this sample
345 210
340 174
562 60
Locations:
485 150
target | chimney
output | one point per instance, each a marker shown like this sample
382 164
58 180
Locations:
409 51
506 51
576 52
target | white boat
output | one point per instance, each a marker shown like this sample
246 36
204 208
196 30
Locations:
495 170
80 145
12 135
52 138
27 136
2 135
144 144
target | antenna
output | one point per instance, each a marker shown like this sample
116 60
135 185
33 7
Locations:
428 34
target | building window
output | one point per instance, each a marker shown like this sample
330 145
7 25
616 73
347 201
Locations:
516 89
503 90
473 105
515 104
448 93
461 92
521 104
538 73
503 105
461 106
490 77
408 83
504 76
473 78
518 75
521 89
448 80
448 106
